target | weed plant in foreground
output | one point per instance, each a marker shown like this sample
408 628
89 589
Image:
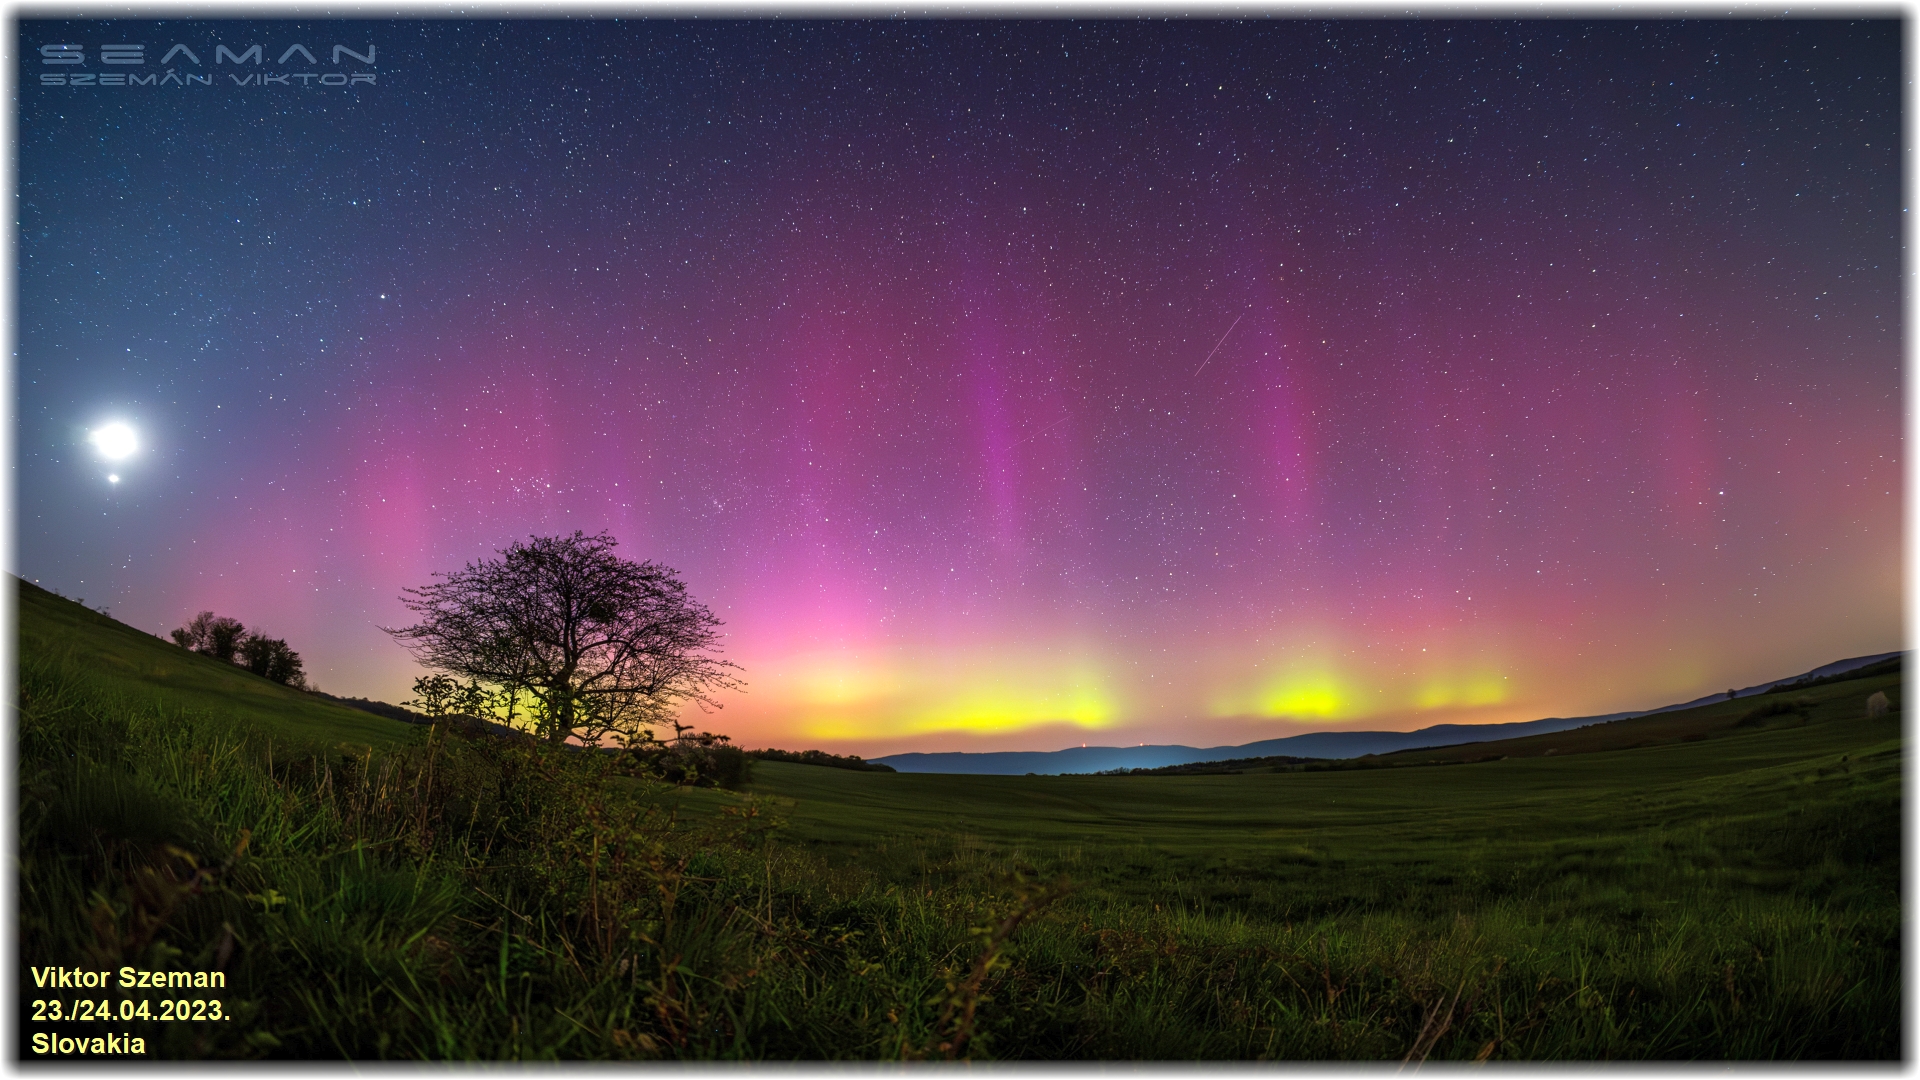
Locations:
491 899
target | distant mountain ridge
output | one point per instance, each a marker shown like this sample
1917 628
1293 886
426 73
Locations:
1316 744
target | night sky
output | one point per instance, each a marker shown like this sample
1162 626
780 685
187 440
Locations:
1001 385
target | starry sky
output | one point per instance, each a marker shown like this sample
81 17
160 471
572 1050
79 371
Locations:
1002 385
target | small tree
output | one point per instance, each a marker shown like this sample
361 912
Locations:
218 637
226 639
602 646
271 658
434 695
476 700
443 695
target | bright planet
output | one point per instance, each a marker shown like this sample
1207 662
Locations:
115 441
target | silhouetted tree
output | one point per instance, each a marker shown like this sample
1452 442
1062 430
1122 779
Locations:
443 695
433 695
271 658
601 645
218 637
226 639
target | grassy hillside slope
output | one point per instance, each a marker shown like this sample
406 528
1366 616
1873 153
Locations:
1843 701
136 664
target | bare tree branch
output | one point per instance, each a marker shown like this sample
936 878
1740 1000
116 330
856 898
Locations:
602 645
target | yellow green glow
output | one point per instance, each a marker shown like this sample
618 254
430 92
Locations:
1305 694
1466 692
1313 680
1318 696
850 697
842 679
1009 708
853 694
837 727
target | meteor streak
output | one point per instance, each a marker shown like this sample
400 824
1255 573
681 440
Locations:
1222 341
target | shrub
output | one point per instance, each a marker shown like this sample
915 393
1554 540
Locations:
699 760
820 757
1754 717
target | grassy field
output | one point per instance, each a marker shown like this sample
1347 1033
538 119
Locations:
375 894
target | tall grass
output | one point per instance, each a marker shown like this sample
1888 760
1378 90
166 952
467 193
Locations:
492 899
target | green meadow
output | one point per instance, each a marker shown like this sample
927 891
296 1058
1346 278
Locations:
1720 883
